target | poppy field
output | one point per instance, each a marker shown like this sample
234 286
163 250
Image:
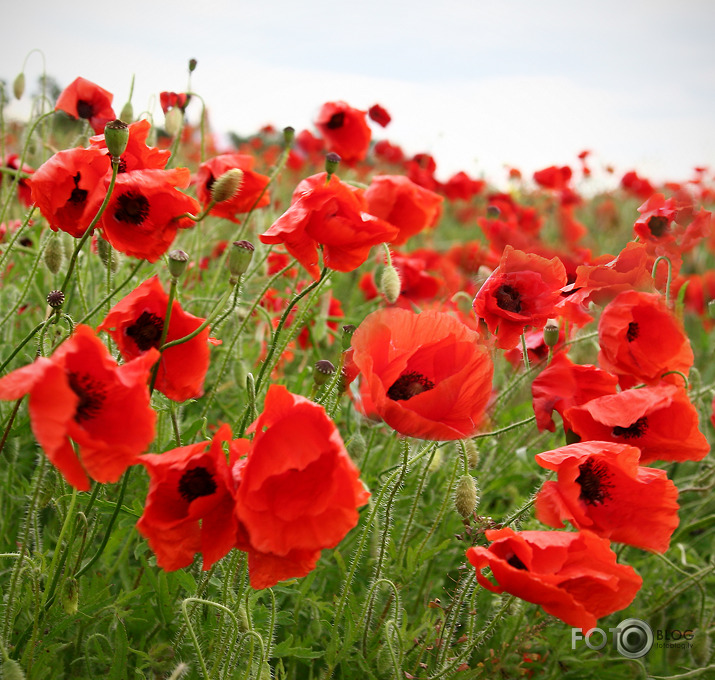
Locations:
294 406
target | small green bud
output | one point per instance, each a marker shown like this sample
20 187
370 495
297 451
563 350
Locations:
243 625
288 135
701 648
265 671
107 254
70 596
332 160
11 670
390 284
54 253
322 371
227 186
466 496
127 112
240 257
116 137
347 336
551 333
56 299
68 244
173 120
192 65
357 446
178 261
18 86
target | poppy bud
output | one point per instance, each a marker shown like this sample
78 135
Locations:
357 446
70 596
288 135
466 496
173 120
179 672
54 254
227 186
11 670
322 372
240 257
700 648
243 625
178 261
347 336
56 299
493 212
192 65
390 284
472 452
127 112
551 332
332 160
116 137
107 254
18 86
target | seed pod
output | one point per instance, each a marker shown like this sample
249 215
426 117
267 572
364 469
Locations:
116 137
551 332
239 257
322 371
466 496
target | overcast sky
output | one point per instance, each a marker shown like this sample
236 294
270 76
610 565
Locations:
480 85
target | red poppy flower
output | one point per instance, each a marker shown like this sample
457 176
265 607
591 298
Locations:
333 215
143 215
190 504
138 155
169 100
399 201
388 152
251 187
522 291
553 177
379 115
136 324
602 488
69 188
298 491
657 214
462 186
661 421
80 395
83 99
23 186
640 339
637 186
563 384
344 130
428 375
572 575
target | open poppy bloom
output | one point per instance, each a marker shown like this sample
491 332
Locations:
298 491
602 488
574 576
344 130
428 374
333 215
640 339
83 99
138 155
145 210
69 188
522 291
252 184
660 420
399 201
136 324
190 504
80 395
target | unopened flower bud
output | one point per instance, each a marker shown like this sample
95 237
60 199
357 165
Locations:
54 253
116 137
466 496
288 135
243 625
192 65
322 371
711 309
178 261
18 86
551 332
173 120
70 596
472 452
390 284
107 254
127 112
493 212
357 446
227 186
11 670
347 337
179 672
56 299
332 160
240 257
701 648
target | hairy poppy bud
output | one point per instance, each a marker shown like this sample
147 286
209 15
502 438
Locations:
227 186
472 452
288 135
357 446
390 284
551 332
240 257
347 336
173 120
127 112
332 160
54 253
322 371
178 261
179 672
466 496
56 299
18 86
70 596
11 670
701 648
107 254
116 137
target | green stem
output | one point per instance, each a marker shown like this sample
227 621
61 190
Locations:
164 332
670 275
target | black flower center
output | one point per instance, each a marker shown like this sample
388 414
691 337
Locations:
633 431
146 331
594 481
336 121
91 395
78 196
508 298
195 483
122 165
409 385
632 332
658 225
131 207
85 109
210 182
515 562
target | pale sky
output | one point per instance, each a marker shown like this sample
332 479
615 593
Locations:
480 85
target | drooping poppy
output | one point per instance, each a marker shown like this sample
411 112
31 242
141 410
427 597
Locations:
136 324
399 201
84 99
428 374
169 100
190 504
344 130
298 490
145 212
522 291
641 340
333 215
574 576
247 197
601 487
80 395
68 188
138 155
660 420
